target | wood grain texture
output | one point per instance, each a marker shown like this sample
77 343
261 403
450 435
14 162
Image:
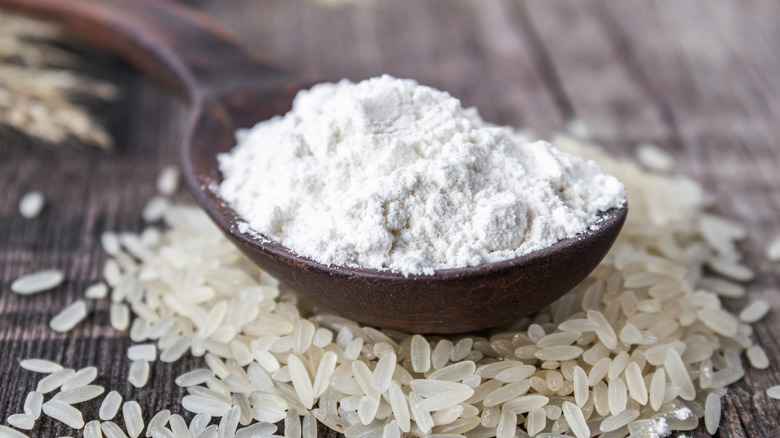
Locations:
697 78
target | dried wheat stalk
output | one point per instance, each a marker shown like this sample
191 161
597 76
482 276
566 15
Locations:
35 91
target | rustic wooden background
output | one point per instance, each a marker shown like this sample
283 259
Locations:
701 79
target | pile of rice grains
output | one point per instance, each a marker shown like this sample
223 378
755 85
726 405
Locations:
641 348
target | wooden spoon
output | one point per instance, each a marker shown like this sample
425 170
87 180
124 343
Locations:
229 88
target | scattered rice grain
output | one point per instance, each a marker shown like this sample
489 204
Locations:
38 281
31 205
64 413
69 317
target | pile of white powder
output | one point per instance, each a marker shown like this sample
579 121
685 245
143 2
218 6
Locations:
389 174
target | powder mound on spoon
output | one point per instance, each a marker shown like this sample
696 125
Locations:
390 174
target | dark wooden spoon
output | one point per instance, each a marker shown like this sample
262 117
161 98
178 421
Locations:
229 88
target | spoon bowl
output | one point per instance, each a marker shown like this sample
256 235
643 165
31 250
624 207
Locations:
229 88
449 301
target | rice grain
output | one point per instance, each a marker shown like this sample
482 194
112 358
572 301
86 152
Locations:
119 316
712 413
134 421
210 406
168 180
32 404
31 205
92 430
79 394
21 421
138 375
54 380
64 413
96 291
229 423
40 366
7 432
82 377
38 281
576 420
110 406
111 430
69 317
754 311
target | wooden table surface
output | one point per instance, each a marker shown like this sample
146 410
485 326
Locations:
700 79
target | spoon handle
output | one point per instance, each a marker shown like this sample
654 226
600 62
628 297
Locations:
185 49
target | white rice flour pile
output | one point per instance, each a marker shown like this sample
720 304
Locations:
388 174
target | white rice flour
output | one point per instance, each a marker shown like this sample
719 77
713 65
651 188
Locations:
389 174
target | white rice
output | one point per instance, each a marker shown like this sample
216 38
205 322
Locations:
194 377
54 380
646 328
199 423
160 419
138 375
40 366
576 420
111 272
675 369
64 413
92 430
210 406
636 383
147 352
578 128
175 351
178 425
7 432
619 420
21 421
420 354
38 281
154 210
97 291
228 424
301 381
31 205
757 357
168 180
773 249
618 396
383 373
111 430
79 394
109 240
773 392
604 330
119 316
82 377
110 407
754 311
32 404
730 269
264 429
134 421
712 413
654 158
69 317
559 353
